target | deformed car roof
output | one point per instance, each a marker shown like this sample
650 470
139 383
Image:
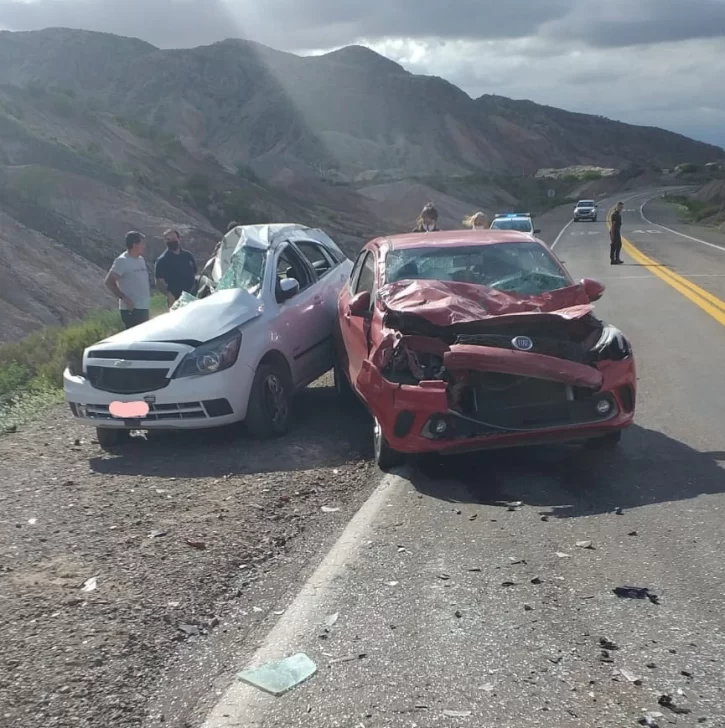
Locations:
453 238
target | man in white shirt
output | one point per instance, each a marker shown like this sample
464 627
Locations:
128 280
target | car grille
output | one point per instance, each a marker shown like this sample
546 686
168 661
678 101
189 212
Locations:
560 348
157 412
132 355
127 381
502 402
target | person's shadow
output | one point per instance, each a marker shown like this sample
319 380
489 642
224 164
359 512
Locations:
566 482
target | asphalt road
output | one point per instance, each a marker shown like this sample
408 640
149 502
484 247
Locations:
457 608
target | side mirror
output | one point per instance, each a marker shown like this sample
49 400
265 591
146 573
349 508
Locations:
360 304
289 287
593 289
537 231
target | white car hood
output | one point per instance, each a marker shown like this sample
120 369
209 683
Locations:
200 320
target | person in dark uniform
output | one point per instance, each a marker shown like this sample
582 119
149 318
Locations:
615 236
427 221
175 268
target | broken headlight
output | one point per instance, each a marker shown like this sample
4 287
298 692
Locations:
213 356
612 346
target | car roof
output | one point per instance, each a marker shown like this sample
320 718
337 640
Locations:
454 238
580 201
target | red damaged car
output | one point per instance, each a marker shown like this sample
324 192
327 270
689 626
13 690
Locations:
469 340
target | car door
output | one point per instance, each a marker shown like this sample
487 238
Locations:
331 276
301 325
355 329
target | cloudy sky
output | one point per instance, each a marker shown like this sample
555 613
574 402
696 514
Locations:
659 62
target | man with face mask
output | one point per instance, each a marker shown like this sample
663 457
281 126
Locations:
175 268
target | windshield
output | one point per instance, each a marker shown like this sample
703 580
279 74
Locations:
246 270
510 223
520 268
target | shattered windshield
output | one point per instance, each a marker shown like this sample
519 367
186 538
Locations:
524 269
246 270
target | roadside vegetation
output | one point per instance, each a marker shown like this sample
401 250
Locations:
692 210
31 370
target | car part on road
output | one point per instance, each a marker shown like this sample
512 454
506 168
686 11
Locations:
278 677
268 414
636 592
666 701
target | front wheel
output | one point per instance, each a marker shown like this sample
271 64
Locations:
110 437
385 457
269 412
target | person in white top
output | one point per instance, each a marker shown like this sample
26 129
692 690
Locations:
477 221
128 280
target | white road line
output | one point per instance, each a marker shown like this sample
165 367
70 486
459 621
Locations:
242 705
674 232
563 230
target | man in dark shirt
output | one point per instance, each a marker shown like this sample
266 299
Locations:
615 236
175 268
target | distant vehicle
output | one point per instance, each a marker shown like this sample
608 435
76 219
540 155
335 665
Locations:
464 341
585 210
520 221
240 353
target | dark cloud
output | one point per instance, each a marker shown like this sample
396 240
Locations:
623 23
165 23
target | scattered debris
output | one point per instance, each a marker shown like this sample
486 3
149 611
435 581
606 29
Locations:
686 673
544 518
157 534
536 580
651 666
515 506
528 608
392 583
459 614
349 658
606 657
403 550
473 517
585 545
509 583
633 533
258 610
608 644
619 510
332 620
666 701
630 676
650 720
328 509
515 561
32 521
173 605
90 585
190 630
199 545
457 713
278 677
636 592
562 555
444 577
555 660
475 570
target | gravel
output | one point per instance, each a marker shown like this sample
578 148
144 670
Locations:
116 567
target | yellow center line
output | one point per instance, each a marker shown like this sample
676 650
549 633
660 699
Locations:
712 305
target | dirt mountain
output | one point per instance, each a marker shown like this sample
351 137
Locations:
101 134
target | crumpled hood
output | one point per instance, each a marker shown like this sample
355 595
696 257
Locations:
448 303
200 320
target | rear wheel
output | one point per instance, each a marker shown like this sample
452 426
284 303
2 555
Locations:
606 442
385 457
269 412
109 437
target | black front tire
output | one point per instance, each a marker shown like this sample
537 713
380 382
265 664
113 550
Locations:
385 457
110 437
606 442
269 411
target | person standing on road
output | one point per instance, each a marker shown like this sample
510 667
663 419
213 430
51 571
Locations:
427 221
175 268
615 236
128 280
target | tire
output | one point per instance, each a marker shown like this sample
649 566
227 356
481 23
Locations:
268 411
110 437
343 390
594 219
606 442
385 457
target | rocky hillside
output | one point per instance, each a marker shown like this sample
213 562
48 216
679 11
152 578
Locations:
101 134
346 113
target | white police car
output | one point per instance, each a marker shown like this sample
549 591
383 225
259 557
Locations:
520 221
